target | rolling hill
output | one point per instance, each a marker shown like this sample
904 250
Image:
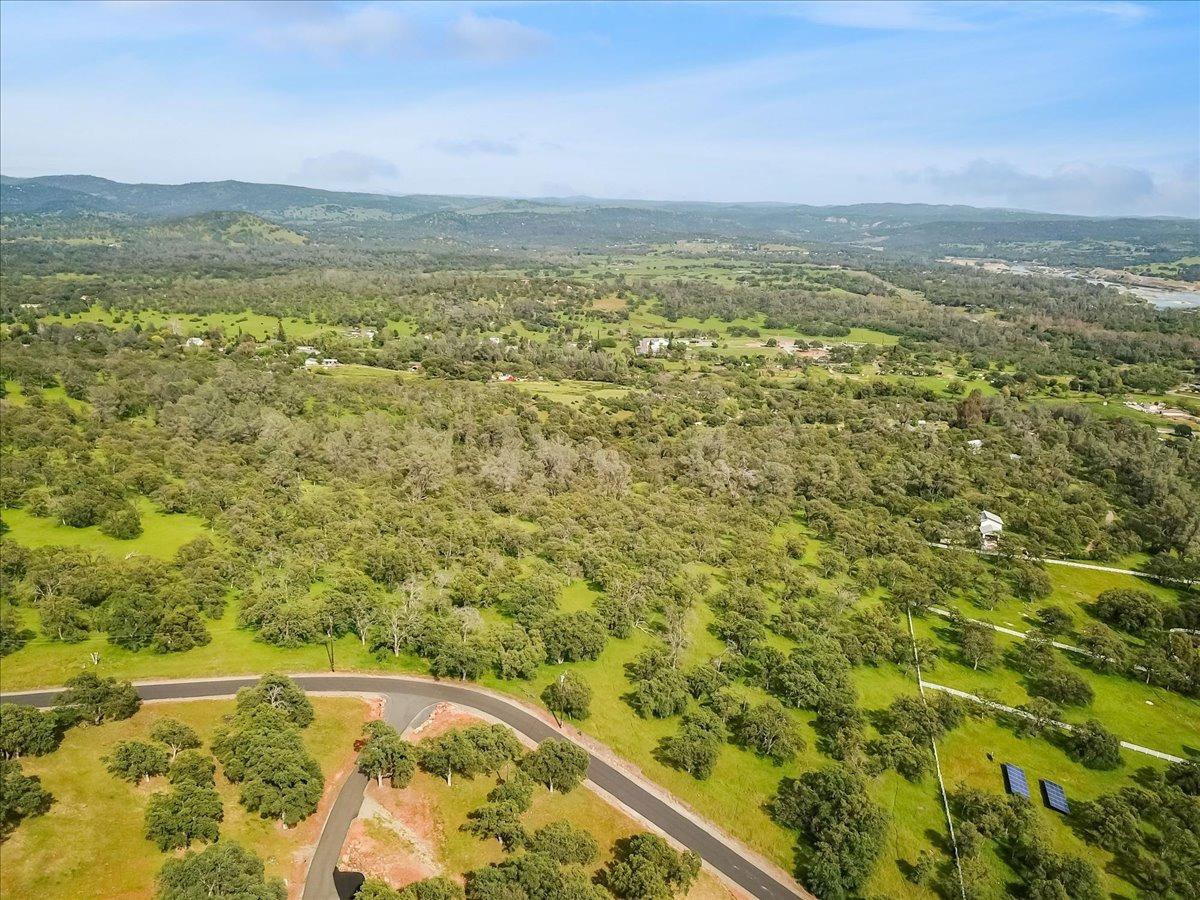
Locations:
331 216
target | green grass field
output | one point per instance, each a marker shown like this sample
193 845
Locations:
255 324
1136 712
644 320
461 852
259 326
1071 589
567 391
91 842
161 536
1166 269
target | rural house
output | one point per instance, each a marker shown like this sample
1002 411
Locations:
990 527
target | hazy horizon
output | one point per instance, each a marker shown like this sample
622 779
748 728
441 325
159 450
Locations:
588 197
1081 108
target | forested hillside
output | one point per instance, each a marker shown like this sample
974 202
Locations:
430 221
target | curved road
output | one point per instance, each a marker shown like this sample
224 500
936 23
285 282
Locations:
721 856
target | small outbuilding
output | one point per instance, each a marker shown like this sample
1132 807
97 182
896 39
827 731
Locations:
990 528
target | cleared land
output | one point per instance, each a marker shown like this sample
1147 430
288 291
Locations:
420 827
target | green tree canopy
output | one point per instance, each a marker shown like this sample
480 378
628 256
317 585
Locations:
644 867
559 765
225 869
137 760
99 699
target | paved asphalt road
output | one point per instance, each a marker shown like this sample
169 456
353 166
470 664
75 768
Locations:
726 859
325 881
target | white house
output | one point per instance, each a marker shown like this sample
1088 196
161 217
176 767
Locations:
310 363
307 350
990 527
975 445
330 362
652 345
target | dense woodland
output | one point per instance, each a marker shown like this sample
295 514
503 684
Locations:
436 517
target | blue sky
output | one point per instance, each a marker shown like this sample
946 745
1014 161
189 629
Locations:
1086 107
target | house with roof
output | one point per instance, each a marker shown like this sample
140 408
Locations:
990 528
652 346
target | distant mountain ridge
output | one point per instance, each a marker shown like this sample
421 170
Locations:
585 222
209 196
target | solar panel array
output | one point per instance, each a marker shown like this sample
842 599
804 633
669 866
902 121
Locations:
1014 780
1054 796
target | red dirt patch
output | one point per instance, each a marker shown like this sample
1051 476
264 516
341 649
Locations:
408 807
374 708
445 717
379 852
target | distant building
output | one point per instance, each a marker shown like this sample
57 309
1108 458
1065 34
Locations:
990 528
307 350
493 340
311 363
329 362
503 376
194 342
975 445
652 346
364 334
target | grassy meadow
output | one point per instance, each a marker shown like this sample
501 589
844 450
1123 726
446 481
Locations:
92 840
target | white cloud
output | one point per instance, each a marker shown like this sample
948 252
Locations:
1077 187
346 167
373 30
952 15
902 15
490 39
477 146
